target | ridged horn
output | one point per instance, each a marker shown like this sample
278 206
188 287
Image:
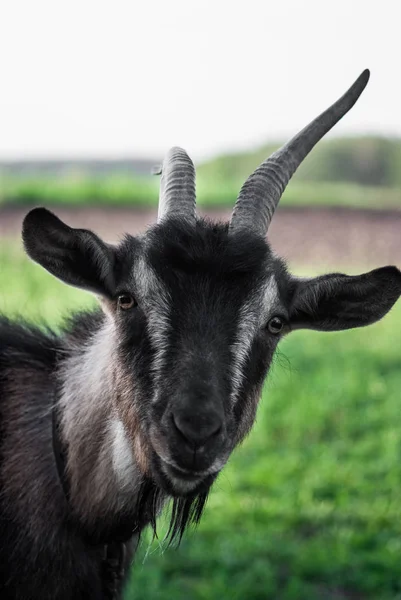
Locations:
261 192
177 186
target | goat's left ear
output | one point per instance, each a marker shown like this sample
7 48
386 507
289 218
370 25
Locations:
76 256
334 302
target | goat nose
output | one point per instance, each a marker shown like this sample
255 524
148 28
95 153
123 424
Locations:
197 428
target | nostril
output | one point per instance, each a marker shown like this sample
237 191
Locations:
178 429
197 429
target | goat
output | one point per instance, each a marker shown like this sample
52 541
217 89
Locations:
144 400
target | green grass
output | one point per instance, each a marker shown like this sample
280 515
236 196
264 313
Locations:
366 160
361 171
309 508
143 192
79 189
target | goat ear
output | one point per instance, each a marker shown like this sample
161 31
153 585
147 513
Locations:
76 256
334 302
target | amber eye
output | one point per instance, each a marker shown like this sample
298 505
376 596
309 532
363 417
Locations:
275 325
126 301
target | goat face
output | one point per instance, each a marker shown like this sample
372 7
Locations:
197 342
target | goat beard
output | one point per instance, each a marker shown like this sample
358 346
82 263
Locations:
184 512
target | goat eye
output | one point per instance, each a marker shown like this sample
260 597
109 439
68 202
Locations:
126 301
275 325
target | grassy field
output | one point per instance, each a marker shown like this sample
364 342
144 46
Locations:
309 508
125 190
361 171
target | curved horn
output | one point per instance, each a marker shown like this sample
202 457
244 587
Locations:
261 192
177 186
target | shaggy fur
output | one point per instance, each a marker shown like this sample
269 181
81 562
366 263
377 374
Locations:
46 551
150 401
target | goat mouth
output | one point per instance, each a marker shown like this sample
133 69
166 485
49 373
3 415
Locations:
180 472
178 482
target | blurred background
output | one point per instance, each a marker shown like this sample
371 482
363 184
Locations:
92 96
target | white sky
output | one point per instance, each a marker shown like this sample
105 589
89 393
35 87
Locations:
94 78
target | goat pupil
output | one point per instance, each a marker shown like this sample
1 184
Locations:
275 325
126 301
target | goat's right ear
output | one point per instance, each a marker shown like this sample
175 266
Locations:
76 256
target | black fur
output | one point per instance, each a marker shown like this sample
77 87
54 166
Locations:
57 557
47 551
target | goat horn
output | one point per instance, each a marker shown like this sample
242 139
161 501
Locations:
261 192
177 186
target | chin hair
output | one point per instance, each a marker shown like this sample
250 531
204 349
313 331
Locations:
185 510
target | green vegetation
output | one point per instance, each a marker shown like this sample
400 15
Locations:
79 189
309 508
366 161
350 172
129 191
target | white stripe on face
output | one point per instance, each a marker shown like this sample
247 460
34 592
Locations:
156 301
253 315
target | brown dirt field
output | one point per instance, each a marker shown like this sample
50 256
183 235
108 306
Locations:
307 236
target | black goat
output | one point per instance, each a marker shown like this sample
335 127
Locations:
145 399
